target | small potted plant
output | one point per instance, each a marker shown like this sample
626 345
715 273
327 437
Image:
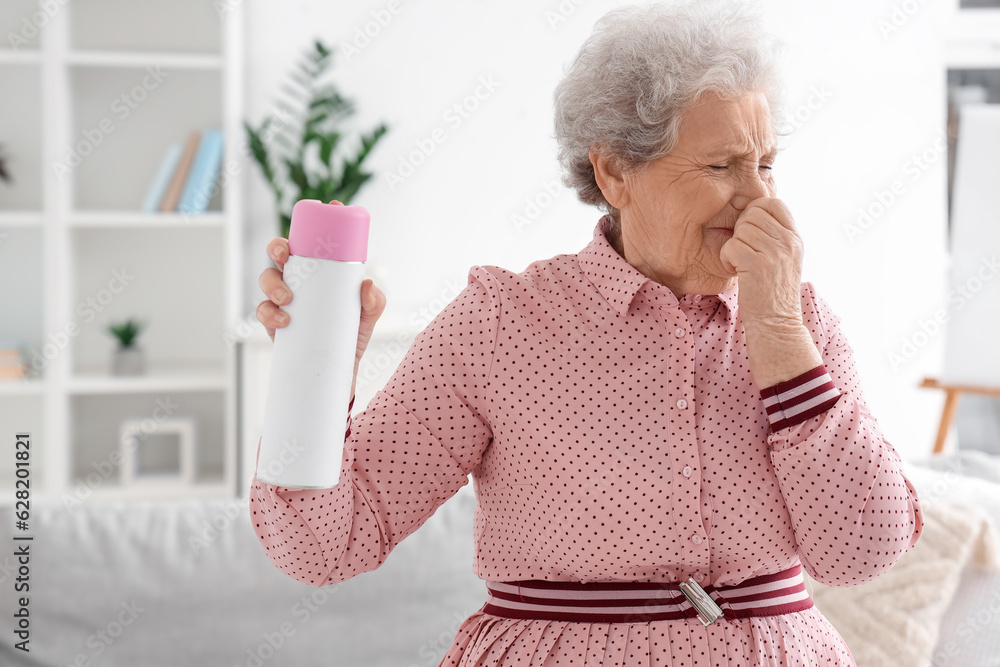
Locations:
128 358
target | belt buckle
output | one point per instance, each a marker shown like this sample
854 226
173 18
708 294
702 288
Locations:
708 611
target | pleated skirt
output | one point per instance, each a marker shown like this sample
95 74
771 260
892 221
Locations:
800 639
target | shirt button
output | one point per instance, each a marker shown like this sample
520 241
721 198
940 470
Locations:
682 404
699 576
679 332
696 539
687 471
697 297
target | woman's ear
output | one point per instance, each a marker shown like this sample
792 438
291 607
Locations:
609 177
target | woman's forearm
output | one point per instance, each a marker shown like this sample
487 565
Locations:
853 512
396 472
779 352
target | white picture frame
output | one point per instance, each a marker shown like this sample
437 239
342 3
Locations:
135 433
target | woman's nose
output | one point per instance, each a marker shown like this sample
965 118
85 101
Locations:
750 188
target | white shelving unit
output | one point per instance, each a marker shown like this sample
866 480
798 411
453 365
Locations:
76 253
972 46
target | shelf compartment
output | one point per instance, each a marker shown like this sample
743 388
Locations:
184 26
22 139
21 414
148 273
22 302
25 21
96 436
124 119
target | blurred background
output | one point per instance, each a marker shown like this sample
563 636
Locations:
106 103
134 210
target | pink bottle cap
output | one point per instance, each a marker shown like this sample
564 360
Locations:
329 231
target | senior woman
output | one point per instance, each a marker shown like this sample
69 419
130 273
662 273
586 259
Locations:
668 406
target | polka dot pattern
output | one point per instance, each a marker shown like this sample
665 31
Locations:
613 432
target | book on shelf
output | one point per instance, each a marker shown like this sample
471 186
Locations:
158 188
205 169
12 366
186 176
173 193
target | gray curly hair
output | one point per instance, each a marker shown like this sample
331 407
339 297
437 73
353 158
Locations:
643 66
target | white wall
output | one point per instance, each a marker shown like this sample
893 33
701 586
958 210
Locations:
867 102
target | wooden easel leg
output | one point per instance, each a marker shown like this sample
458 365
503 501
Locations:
947 417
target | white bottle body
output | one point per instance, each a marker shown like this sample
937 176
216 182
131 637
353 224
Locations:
312 369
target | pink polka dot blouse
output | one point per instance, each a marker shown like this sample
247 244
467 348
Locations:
613 432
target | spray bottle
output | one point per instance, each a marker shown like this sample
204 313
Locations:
312 366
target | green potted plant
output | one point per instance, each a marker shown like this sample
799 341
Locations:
302 159
128 357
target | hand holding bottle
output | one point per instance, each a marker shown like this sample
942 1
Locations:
270 314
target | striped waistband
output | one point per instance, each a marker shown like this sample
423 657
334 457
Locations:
633 602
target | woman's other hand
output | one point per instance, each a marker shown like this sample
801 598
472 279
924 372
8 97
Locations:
766 253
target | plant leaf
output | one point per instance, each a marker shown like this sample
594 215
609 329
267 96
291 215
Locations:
327 144
311 112
297 174
259 152
356 184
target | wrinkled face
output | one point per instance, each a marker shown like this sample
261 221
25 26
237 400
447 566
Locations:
682 207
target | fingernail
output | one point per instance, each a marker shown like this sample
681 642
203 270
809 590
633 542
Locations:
282 295
282 318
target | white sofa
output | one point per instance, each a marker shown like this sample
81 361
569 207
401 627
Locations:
187 583
144 584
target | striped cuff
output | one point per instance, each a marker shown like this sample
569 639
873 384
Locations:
350 407
794 401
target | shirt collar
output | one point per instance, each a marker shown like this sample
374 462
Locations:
619 282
